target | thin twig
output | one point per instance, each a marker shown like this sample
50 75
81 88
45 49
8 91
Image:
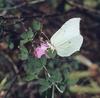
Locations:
21 5
36 16
72 3
23 18
15 69
53 91
58 88
11 85
92 13
16 72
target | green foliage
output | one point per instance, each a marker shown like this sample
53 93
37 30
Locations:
55 77
26 37
51 53
3 83
23 55
45 85
30 76
91 3
67 7
11 45
36 25
2 3
33 67
49 72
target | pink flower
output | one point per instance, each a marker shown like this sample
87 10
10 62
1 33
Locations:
40 50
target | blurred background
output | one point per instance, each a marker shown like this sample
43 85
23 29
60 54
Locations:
18 15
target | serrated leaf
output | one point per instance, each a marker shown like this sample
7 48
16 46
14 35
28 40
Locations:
51 53
43 82
30 77
29 65
27 36
56 77
36 25
33 66
45 85
43 88
39 63
22 42
23 53
11 45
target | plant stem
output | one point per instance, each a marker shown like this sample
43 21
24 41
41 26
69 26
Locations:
58 88
47 71
49 77
53 91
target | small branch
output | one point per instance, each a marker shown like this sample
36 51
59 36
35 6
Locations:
47 71
11 85
82 59
21 5
15 69
58 89
85 89
53 91
36 16
72 3
92 13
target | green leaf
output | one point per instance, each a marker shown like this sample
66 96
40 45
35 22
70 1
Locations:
43 60
67 7
51 65
11 45
3 83
33 67
2 3
27 36
91 3
30 77
51 53
55 76
45 85
23 55
36 25
39 63
22 42
29 65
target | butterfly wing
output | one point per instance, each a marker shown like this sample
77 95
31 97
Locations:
70 29
70 46
67 39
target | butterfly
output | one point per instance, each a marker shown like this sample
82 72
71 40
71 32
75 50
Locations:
67 39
